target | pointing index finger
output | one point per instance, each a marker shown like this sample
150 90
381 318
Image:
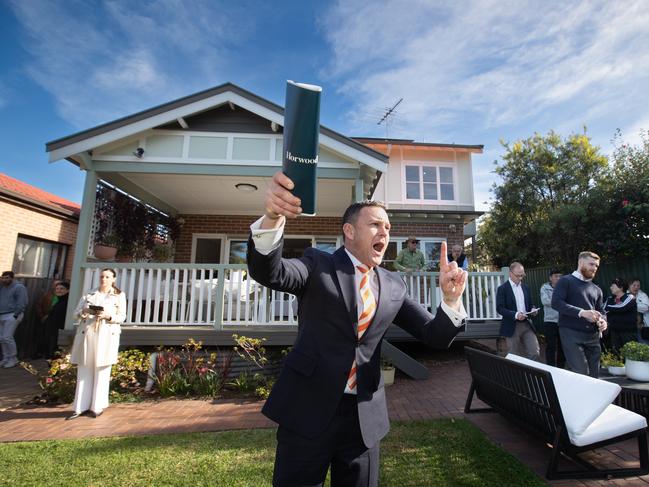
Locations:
443 257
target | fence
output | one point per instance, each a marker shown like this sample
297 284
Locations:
224 295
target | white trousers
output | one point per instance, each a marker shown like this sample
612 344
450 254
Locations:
92 382
8 326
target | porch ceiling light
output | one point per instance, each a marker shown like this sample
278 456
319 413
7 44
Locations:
246 187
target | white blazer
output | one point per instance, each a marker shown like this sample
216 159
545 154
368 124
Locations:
109 331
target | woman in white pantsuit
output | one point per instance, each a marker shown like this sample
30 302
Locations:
96 344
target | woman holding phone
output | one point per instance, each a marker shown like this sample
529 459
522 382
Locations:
96 344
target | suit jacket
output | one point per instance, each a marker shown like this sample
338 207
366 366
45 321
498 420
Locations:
313 377
506 306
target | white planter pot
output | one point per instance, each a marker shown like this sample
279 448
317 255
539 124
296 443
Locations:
388 376
637 370
616 370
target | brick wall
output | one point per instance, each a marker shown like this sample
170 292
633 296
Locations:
16 219
232 225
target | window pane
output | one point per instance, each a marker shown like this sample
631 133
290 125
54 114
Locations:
431 252
430 174
412 191
430 191
447 191
208 251
238 252
446 175
412 173
38 259
389 256
295 247
328 246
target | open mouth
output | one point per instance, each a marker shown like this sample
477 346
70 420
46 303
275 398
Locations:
378 247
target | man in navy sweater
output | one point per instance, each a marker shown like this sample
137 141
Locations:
580 304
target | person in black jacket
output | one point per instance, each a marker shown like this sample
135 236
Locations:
621 310
329 399
55 320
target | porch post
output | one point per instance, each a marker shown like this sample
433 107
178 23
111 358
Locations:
81 245
359 190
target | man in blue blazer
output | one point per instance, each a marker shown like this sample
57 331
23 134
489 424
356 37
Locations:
514 303
329 398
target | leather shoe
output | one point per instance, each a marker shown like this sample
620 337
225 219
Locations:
74 416
94 414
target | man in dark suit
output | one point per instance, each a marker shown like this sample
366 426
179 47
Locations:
514 303
329 399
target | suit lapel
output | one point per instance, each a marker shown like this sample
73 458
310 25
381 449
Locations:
383 297
345 273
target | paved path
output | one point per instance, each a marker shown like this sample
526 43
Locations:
443 395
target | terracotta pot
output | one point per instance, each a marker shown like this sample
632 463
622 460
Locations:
103 252
124 258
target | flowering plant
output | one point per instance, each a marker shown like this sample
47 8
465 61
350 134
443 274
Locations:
190 371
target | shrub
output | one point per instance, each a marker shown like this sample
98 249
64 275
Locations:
611 359
191 372
251 349
635 351
125 379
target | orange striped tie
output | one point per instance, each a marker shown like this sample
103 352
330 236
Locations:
365 318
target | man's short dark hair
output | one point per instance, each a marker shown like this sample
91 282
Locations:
553 272
634 279
8 274
65 284
352 211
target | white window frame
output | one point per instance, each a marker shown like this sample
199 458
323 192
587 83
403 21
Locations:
422 200
213 236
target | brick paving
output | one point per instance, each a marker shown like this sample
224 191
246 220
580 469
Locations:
442 395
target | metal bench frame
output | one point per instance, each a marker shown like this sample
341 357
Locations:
527 396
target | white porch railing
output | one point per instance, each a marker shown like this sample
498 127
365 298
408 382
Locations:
223 295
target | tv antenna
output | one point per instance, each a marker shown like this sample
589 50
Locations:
387 116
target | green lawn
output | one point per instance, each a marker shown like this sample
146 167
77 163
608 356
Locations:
442 452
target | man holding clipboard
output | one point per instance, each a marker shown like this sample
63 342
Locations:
514 303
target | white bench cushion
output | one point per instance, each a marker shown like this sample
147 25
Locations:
614 421
582 398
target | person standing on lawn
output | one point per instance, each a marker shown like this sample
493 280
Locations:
579 302
329 398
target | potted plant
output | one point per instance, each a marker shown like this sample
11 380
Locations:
387 370
106 246
613 362
636 362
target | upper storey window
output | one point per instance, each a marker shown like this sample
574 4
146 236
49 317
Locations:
429 183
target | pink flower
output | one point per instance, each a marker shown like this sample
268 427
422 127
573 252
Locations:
49 380
625 203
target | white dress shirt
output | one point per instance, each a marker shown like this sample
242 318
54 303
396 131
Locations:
519 296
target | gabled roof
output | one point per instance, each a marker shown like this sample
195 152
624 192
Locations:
176 107
411 142
17 190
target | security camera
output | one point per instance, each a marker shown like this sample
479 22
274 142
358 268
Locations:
139 152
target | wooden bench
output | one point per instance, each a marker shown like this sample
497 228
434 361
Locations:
572 412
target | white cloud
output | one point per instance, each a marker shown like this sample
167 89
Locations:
490 64
108 59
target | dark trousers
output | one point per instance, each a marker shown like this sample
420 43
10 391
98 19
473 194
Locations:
553 352
582 351
302 462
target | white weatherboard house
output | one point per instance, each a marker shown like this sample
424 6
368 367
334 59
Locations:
206 160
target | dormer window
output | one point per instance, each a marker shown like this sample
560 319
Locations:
426 183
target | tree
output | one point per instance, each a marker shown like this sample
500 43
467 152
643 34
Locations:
539 205
618 219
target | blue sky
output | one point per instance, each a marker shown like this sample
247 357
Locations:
469 72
